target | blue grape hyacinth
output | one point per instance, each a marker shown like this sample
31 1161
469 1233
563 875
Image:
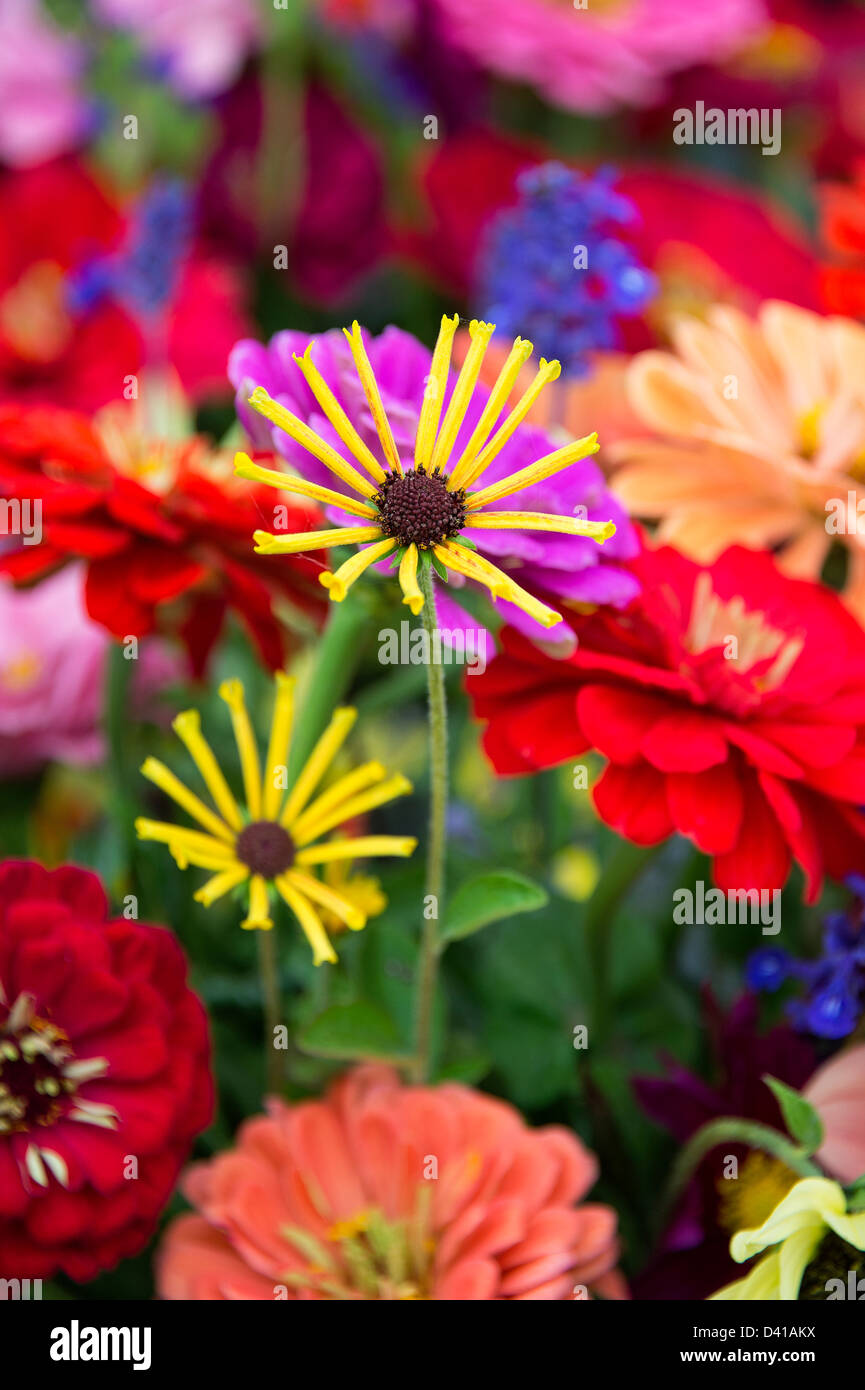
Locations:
556 269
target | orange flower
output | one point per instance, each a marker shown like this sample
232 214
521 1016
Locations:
759 438
385 1191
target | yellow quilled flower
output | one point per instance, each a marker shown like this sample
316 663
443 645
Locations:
276 839
810 1229
423 514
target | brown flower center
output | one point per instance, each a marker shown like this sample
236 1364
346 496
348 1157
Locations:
265 848
416 508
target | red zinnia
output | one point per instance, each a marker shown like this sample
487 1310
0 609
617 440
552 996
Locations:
104 1074
155 522
730 702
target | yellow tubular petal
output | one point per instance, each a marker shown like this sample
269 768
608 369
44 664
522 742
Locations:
408 580
268 544
480 334
354 806
373 396
434 393
187 726
277 748
599 531
187 846
232 693
535 472
338 582
337 416
258 917
309 920
288 482
319 892
362 848
317 764
308 439
162 777
500 585
221 884
516 360
547 372
341 790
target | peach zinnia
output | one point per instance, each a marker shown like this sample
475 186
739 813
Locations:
385 1191
761 438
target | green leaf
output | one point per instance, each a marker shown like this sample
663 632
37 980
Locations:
464 540
800 1117
352 1030
439 568
489 898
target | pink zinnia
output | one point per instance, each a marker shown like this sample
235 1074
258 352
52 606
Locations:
385 1191
43 110
605 54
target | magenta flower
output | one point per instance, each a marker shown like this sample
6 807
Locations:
52 675
42 109
598 56
200 47
570 568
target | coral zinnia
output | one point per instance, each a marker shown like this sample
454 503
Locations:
156 521
418 516
274 839
384 1191
761 431
730 702
104 1074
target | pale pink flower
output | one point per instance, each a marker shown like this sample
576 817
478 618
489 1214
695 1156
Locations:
42 109
201 45
837 1092
384 1191
605 54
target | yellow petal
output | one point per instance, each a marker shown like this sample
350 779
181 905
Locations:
289 482
337 416
277 748
362 848
221 884
320 893
434 392
309 920
258 918
308 439
547 372
810 1200
354 806
480 334
338 582
162 777
187 726
473 566
373 396
513 365
268 544
535 472
187 846
317 764
232 693
599 531
347 786
408 579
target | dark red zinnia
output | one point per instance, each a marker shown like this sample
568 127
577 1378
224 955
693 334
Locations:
104 1074
730 703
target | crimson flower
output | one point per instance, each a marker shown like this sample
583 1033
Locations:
730 702
104 1074
156 523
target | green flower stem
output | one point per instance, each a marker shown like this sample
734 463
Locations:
338 651
122 769
268 970
730 1130
627 863
428 962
